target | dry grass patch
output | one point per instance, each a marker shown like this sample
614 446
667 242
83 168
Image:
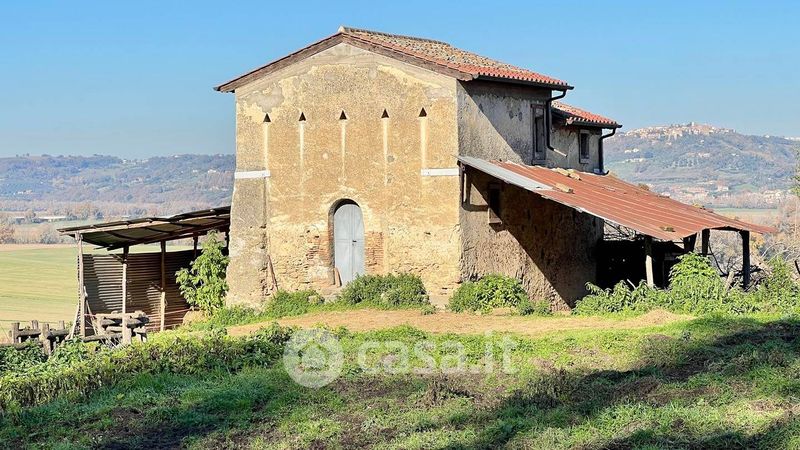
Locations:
460 323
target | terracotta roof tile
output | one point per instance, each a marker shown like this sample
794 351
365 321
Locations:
580 116
455 58
435 55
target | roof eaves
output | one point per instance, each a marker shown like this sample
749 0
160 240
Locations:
556 86
316 47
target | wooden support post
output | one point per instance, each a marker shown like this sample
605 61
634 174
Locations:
648 260
81 297
745 258
46 344
14 333
194 241
705 236
689 243
163 311
124 279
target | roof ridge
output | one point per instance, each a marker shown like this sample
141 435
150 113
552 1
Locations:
349 30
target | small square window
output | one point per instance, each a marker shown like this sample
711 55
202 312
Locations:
584 146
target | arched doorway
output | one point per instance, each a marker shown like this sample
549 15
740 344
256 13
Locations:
348 238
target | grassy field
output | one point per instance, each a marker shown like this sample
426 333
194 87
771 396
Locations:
40 281
755 215
726 383
37 282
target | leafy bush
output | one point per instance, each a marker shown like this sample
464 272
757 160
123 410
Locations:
428 310
203 284
491 291
285 303
82 368
385 291
780 289
696 288
529 307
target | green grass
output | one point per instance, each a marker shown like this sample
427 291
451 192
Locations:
42 283
708 383
38 284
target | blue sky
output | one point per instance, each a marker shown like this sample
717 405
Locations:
135 79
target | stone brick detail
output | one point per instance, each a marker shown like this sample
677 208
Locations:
374 252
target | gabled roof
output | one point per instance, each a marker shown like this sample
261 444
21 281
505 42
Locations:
614 200
577 116
437 56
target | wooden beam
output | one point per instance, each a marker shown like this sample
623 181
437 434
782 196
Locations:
124 278
194 244
163 284
181 234
648 260
81 290
705 236
689 243
745 258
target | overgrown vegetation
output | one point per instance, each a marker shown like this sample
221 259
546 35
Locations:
76 369
726 383
495 291
402 290
203 284
696 288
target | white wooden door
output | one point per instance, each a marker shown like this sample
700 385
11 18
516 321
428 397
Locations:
348 237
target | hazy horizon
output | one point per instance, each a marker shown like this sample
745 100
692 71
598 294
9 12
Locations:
135 80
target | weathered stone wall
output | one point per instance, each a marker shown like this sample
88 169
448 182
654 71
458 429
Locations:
549 247
411 221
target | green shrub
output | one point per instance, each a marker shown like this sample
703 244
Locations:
428 310
227 316
779 289
12 359
491 291
83 368
529 307
203 284
385 291
285 303
696 288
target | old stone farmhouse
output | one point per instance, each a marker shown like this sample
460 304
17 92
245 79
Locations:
368 152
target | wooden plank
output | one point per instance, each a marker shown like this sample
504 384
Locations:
745 258
162 312
124 278
648 260
705 236
81 290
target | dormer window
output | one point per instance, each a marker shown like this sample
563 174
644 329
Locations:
583 144
539 136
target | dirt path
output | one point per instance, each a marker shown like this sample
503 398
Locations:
448 322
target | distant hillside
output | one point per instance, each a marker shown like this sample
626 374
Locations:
154 185
705 164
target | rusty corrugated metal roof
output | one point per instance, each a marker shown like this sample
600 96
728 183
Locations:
434 55
148 230
622 203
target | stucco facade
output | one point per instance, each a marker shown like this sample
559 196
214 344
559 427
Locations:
410 219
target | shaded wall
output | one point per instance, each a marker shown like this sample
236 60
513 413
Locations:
549 247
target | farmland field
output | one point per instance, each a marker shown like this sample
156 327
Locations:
39 282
